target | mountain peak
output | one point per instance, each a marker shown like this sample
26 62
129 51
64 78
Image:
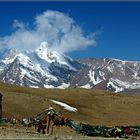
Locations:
10 56
44 52
49 55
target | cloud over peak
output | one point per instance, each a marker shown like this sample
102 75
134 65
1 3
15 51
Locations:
59 30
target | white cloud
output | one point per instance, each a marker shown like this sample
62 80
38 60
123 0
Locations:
18 24
58 29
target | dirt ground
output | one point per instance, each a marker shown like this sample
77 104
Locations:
60 133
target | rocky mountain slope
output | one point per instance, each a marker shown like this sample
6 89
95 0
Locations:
111 74
49 69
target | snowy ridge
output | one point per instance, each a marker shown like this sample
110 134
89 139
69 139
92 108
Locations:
45 53
96 80
119 85
10 56
8 61
113 84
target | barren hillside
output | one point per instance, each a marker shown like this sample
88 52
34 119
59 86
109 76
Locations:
94 106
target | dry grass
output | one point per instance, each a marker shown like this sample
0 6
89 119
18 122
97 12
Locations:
94 106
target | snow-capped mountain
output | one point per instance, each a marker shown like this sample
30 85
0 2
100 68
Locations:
49 69
42 68
110 74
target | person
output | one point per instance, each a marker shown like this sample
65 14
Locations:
0 108
50 117
42 125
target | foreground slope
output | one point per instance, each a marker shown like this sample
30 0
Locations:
94 106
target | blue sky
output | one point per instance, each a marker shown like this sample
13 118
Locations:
116 24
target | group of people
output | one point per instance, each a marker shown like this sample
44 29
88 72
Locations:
49 120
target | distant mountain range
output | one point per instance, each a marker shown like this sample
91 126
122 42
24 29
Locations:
49 69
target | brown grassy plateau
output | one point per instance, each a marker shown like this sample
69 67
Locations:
94 106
